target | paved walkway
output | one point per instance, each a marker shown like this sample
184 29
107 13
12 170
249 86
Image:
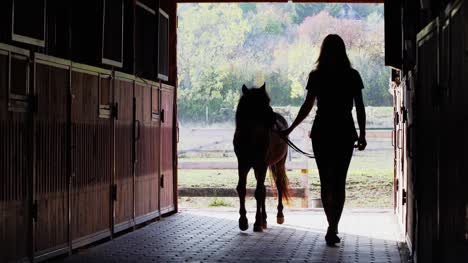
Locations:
213 236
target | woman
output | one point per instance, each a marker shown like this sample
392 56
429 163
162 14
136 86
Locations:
335 85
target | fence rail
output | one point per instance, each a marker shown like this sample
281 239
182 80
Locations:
231 192
187 165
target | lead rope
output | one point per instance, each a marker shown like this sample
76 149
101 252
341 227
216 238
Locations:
293 146
297 149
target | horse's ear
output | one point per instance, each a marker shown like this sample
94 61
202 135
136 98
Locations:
263 87
244 89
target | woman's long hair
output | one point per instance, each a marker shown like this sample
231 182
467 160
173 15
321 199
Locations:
333 54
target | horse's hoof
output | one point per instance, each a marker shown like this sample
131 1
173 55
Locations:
280 220
258 228
243 224
264 225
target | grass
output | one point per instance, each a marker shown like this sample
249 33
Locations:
220 202
363 189
369 182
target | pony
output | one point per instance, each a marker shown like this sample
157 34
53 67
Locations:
258 145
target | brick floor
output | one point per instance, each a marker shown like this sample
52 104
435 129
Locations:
207 236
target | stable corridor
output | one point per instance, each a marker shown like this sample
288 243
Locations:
213 236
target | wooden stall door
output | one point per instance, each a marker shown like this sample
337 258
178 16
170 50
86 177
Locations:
91 156
51 177
15 159
427 152
410 167
146 156
404 159
167 169
400 153
449 149
454 158
124 179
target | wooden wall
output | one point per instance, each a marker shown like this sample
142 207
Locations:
51 175
86 137
147 153
124 147
453 199
437 143
16 160
83 143
91 155
427 142
168 184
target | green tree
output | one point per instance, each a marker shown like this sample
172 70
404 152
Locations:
222 46
205 48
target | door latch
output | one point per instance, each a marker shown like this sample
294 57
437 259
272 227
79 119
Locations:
404 197
34 211
114 192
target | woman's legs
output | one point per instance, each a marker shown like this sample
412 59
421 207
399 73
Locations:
333 161
339 175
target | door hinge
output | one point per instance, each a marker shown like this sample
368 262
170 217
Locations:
404 112
404 197
33 103
162 180
115 110
397 118
34 211
162 115
114 192
397 184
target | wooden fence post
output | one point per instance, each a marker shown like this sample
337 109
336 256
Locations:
305 185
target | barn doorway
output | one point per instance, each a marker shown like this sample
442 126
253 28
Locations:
222 46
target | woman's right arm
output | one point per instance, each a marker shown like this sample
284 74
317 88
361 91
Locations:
303 112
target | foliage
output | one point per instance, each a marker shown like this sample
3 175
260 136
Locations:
222 46
219 202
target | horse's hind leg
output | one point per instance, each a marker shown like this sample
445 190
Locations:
280 215
241 191
280 171
260 174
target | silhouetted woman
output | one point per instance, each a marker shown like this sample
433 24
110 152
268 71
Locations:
335 85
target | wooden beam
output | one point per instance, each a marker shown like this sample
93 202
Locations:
285 1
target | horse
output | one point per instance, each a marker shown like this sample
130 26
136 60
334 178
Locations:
258 145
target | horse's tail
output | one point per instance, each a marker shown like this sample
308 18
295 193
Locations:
278 174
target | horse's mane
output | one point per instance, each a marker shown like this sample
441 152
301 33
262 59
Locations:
254 108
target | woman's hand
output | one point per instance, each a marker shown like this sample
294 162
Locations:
361 143
285 133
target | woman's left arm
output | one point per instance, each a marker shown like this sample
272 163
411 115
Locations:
361 118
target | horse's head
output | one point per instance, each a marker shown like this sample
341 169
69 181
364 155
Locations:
254 105
255 98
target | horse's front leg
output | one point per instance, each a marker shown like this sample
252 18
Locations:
241 191
260 174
